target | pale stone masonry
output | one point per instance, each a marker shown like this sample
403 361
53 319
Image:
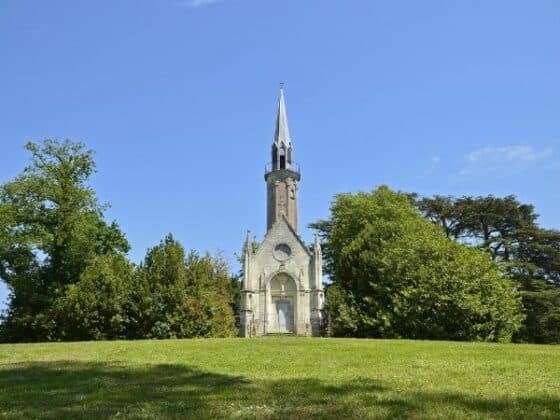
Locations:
282 289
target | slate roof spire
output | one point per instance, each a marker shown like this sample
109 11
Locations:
282 132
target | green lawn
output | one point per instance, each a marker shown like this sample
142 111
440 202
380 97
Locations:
279 378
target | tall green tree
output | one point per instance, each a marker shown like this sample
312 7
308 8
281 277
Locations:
182 296
99 305
507 229
51 229
443 211
542 309
397 275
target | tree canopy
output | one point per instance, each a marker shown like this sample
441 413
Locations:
507 229
52 229
183 296
67 272
394 274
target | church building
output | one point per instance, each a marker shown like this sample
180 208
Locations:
282 291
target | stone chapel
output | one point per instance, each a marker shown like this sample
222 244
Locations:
282 291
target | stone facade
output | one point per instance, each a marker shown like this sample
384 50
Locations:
282 284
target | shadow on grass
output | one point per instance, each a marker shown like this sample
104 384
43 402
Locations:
99 390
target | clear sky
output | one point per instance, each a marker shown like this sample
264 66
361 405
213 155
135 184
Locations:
178 100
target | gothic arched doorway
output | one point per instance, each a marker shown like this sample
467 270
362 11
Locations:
283 293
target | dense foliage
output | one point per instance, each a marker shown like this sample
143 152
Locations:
508 231
183 297
394 274
98 306
397 275
52 229
67 272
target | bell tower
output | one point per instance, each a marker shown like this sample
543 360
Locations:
282 174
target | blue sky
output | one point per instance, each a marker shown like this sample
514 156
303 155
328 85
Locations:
178 99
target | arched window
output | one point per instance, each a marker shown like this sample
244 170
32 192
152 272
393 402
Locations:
282 157
274 156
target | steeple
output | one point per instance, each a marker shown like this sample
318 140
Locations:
282 175
281 142
282 132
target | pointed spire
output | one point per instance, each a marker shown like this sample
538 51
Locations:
317 244
247 255
248 241
282 132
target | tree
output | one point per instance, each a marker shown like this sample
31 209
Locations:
508 231
535 263
98 306
542 307
494 222
397 275
179 296
51 229
441 210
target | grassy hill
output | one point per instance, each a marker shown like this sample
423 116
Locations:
279 378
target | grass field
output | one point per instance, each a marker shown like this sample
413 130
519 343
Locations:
279 378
